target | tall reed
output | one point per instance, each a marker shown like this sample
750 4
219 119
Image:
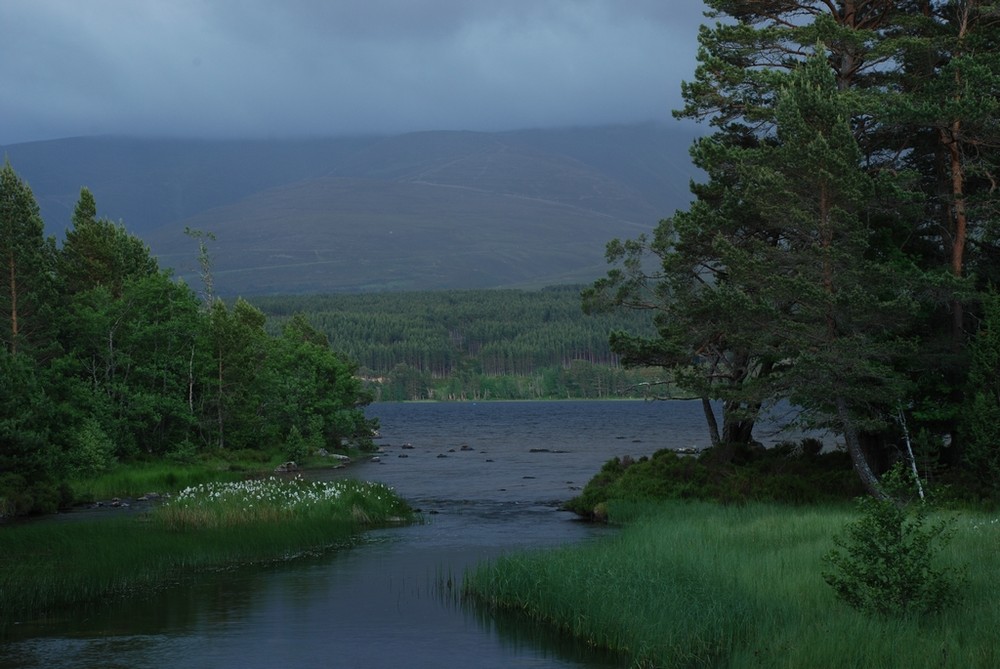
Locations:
699 585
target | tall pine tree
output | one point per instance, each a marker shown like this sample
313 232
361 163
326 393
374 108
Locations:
27 258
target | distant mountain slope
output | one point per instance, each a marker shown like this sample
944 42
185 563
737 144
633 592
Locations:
151 182
651 158
337 234
417 211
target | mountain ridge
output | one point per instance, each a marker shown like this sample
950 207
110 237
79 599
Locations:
427 210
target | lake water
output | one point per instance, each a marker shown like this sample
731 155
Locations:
488 477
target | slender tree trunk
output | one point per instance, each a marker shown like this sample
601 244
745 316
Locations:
959 221
713 425
951 138
861 466
191 382
858 459
738 430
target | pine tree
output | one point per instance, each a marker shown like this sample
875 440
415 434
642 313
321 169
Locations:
97 252
26 296
835 316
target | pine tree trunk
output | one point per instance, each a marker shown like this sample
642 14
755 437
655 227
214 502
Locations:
861 466
713 426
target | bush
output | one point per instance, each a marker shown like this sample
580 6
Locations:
19 497
183 452
296 447
93 451
13 500
884 563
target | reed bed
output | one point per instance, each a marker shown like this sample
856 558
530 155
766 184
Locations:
47 565
700 585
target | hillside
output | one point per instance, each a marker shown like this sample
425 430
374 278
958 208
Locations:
426 210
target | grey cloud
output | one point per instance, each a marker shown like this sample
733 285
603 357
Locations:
300 67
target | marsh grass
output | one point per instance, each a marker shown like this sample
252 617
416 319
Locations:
46 565
159 477
701 585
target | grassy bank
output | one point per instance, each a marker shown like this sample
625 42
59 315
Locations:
45 565
702 585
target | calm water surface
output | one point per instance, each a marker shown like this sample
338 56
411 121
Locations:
488 478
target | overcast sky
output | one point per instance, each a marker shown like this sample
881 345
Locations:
269 68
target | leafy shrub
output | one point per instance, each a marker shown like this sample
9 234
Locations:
93 451
884 563
594 492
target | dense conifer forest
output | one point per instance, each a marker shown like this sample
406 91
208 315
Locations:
475 344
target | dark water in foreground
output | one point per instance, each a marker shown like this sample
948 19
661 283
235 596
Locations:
389 600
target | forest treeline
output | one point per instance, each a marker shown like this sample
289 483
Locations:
472 344
106 358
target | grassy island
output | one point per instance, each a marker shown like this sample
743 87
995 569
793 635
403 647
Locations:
44 565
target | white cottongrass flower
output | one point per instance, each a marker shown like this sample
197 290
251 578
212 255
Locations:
277 495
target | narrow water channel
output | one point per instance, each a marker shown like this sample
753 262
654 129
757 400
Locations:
488 478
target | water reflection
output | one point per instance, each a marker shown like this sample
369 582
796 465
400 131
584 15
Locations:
520 635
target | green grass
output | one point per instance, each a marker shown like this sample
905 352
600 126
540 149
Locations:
46 565
136 480
702 585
